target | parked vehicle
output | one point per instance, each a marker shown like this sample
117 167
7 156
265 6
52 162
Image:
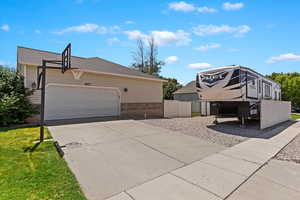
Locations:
236 91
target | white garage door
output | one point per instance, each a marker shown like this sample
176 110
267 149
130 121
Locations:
67 102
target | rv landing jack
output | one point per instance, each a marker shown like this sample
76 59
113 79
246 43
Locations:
242 121
216 120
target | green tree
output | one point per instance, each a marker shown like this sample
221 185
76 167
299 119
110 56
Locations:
146 60
14 104
169 87
290 86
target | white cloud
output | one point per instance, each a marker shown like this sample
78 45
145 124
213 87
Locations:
113 29
187 7
182 6
237 31
136 34
288 56
113 40
206 9
5 27
87 28
81 28
129 22
37 31
162 38
199 65
232 6
208 46
171 59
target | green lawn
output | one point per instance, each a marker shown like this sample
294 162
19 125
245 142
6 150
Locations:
295 116
29 171
196 114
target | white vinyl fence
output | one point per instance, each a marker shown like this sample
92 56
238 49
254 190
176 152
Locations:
274 112
174 108
205 108
202 107
196 106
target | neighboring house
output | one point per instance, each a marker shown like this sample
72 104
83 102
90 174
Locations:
99 88
187 93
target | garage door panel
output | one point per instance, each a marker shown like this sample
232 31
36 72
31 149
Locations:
65 102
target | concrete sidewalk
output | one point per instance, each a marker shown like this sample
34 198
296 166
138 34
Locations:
222 174
276 180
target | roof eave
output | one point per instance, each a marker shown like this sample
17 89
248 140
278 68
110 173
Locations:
113 74
124 75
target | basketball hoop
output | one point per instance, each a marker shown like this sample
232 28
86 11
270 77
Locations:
64 65
77 73
74 69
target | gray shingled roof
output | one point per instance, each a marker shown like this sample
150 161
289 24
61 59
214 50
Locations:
34 57
188 88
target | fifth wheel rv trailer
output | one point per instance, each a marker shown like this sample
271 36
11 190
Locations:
236 91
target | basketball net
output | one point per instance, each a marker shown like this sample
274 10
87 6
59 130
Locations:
77 73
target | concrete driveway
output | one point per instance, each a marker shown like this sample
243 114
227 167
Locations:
110 157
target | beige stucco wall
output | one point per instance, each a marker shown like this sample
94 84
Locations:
274 112
139 90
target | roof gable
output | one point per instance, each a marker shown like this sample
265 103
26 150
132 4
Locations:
188 88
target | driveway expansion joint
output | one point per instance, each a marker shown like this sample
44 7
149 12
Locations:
244 181
184 164
224 154
129 195
202 188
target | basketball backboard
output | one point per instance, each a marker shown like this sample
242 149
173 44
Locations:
66 59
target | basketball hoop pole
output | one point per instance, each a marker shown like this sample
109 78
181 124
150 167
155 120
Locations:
43 89
42 113
65 63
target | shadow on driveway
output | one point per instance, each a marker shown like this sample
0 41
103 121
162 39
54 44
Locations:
251 130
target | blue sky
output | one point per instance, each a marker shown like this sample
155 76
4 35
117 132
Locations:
191 35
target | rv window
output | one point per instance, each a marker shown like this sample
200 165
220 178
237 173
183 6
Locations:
267 90
253 82
259 86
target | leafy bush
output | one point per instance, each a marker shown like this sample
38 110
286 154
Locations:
169 87
290 86
14 104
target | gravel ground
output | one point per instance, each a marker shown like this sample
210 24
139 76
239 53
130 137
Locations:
291 152
227 133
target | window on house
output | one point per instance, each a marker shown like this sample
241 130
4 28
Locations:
259 86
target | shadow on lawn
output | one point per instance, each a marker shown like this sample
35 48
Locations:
33 148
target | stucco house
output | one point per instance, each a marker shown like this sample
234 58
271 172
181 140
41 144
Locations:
187 93
98 88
